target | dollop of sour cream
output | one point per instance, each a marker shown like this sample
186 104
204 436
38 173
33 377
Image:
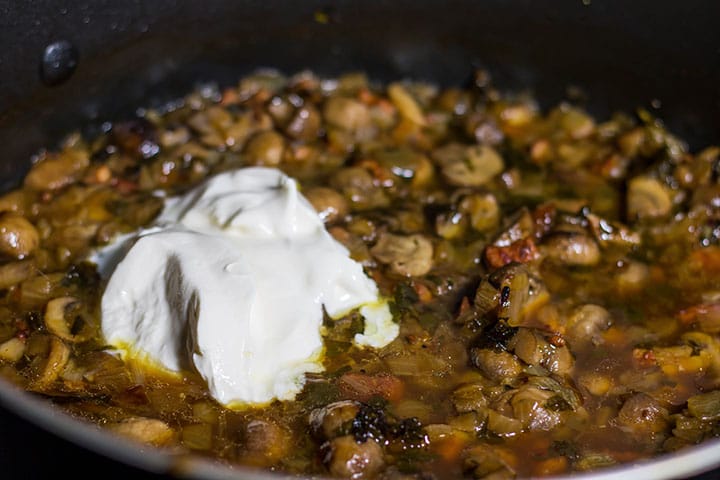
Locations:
232 280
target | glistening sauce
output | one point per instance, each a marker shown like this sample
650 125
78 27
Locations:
554 277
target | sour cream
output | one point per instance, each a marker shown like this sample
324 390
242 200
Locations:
232 281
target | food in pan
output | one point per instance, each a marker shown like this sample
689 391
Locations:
335 276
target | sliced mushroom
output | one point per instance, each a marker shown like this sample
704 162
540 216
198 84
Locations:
450 224
647 198
483 211
577 123
469 397
15 272
359 188
534 349
327 422
408 255
469 166
586 324
642 414
18 237
535 408
529 346
53 172
265 443
568 394
57 359
521 292
612 233
571 248
500 366
408 165
64 317
503 425
347 458
483 462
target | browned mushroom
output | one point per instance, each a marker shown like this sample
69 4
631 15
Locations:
346 457
18 237
408 255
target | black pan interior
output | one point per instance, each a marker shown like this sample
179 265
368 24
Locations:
622 55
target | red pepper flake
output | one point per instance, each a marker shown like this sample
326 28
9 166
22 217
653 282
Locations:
124 186
541 152
378 172
367 97
556 340
464 306
522 251
230 96
99 175
644 358
692 314
705 260
423 292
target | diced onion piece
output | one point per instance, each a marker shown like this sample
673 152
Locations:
705 406
406 104
487 297
12 350
56 361
197 436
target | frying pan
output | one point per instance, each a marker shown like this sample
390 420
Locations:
69 65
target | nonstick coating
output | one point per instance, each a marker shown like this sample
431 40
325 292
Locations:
103 59
622 54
